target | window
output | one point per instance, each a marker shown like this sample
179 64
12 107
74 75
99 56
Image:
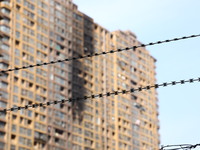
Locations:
42 29
3 85
17 61
2 135
5 11
59 123
28 22
16 89
2 145
42 13
29 14
3 104
41 46
77 139
2 125
60 115
40 126
25 141
60 80
42 38
40 136
59 141
77 130
41 55
17 34
42 4
42 118
25 131
15 98
4 94
27 93
29 5
28 39
21 148
29 113
17 52
28 57
41 81
42 21
28 48
59 14
27 75
28 31
13 147
14 128
5 47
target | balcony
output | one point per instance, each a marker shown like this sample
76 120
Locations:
4 77
3 85
5 4
3 66
40 137
2 125
158 125
5 22
2 115
5 12
3 95
4 47
4 39
4 58
5 29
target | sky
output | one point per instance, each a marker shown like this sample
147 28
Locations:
153 20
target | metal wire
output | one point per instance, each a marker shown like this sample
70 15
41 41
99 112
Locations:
148 87
180 146
98 54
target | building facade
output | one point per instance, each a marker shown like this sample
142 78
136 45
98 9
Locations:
36 31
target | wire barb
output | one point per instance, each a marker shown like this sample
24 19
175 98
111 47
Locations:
97 54
179 147
107 94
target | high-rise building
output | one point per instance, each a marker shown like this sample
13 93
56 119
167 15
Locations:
36 31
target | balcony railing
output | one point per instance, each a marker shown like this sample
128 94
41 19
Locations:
3 85
4 21
3 95
4 66
4 57
7 3
4 76
5 11
4 47
5 29
2 115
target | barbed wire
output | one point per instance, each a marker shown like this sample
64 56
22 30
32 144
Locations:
132 90
180 146
98 54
